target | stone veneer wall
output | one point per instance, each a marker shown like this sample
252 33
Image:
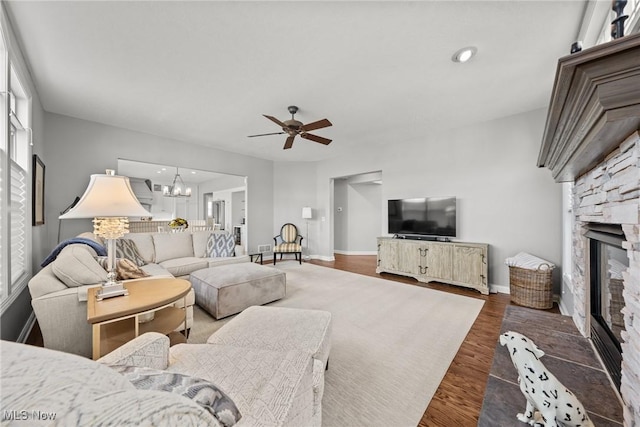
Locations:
610 193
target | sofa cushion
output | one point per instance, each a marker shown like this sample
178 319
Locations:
220 245
200 241
76 266
145 246
203 392
156 270
172 245
184 266
127 248
125 268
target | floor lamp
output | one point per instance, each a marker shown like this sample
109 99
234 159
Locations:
307 214
109 200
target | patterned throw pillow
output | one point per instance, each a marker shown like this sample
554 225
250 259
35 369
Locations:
220 245
202 392
126 248
125 268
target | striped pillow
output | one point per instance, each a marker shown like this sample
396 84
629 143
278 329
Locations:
126 248
125 269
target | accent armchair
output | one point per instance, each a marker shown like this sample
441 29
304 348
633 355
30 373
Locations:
288 242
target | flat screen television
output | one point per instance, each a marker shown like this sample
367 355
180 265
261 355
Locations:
429 216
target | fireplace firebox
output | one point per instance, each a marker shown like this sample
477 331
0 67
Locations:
607 261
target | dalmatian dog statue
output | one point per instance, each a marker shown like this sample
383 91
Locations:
558 407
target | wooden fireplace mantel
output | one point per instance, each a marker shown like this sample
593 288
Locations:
595 105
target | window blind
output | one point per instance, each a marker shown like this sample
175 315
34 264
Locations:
18 220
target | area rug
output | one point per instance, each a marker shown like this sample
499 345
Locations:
392 343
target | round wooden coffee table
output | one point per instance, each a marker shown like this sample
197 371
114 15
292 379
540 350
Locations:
117 320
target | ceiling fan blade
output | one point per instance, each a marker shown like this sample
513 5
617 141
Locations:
265 134
324 123
288 143
316 138
276 121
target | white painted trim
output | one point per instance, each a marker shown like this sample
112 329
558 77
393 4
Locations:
563 307
355 252
26 330
498 289
323 258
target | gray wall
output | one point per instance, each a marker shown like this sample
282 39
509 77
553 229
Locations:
294 188
78 148
503 198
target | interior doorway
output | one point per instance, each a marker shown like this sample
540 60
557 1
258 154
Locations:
214 211
357 213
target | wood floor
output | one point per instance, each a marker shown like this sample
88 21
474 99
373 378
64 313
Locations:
458 400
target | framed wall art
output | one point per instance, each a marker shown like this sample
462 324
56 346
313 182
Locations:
37 205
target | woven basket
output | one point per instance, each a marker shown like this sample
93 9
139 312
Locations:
531 288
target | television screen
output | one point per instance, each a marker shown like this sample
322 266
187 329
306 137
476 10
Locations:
435 216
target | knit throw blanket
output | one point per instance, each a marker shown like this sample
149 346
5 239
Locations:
100 250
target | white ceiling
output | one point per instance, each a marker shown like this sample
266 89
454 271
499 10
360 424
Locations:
206 71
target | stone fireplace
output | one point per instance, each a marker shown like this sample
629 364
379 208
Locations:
591 139
609 195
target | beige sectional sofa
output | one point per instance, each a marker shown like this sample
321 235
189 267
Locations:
268 386
59 290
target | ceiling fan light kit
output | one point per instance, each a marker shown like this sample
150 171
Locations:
294 128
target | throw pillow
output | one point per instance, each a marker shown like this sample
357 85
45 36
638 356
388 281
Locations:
125 268
220 245
126 248
202 392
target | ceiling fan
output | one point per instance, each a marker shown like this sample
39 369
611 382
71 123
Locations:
293 127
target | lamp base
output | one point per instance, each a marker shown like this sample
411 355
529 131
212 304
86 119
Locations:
114 289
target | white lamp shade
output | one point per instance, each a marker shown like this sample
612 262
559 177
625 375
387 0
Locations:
107 196
306 213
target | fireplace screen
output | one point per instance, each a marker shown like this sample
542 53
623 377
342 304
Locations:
608 261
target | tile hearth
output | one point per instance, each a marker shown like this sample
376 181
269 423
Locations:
569 356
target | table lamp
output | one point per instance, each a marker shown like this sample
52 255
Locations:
109 200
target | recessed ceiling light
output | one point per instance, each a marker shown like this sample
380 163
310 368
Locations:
464 54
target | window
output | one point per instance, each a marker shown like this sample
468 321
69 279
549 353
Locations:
15 155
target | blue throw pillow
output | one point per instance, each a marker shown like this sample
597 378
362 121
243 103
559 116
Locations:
220 245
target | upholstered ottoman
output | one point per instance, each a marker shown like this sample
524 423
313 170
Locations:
279 328
283 329
228 289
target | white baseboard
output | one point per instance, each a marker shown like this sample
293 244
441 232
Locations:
564 310
498 289
355 252
323 258
26 330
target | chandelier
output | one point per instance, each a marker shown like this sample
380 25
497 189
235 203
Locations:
177 187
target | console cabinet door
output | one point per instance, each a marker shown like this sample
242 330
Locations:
469 265
439 261
387 255
436 261
408 257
